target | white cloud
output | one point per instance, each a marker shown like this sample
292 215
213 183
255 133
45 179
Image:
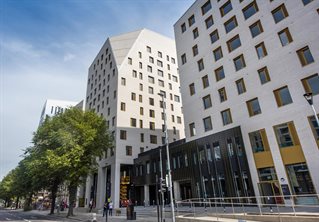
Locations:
22 48
68 57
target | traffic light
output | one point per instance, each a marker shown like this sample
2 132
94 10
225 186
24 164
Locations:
162 185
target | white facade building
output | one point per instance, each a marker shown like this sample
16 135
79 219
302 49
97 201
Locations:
248 63
124 81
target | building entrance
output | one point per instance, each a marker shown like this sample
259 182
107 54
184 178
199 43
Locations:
268 189
186 191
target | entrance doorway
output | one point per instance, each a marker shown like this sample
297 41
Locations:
270 189
186 191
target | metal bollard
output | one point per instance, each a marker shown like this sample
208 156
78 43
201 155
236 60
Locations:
94 217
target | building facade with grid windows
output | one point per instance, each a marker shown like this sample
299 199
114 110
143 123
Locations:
248 63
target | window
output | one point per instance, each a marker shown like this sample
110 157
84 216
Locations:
130 61
279 13
305 56
149 69
217 153
123 135
226 117
285 37
311 84
140 55
140 65
192 89
250 10
261 50
159 54
258 141
214 36
153 139
122 106
195 50
148 49
230 24
133 122
267 174
192 131
159 63
240 86
282 96
179 119
176 98
233 43
141 123
207 102
253 107
301 181
141 87
161 83
140 98
200 64
152 113
150 90
151 79
128 151
206 7
133 96
205 81
141 111
191 20
175 79
222 94
209 22
263 75
315 127
219 73
227 7
195 33
140 75
256 29
207 124
306 2
218 53
123 81
286 135
160 73
183 27
239 62
151 101
151 59
183 57
152 126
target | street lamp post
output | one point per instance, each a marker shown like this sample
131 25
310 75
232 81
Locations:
170 186
308 96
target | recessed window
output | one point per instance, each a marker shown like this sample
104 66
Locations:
141 124
240 84
219 73
200 64
192 89
133 122
153 139
261 50
191 20
129 151
209 22
227 7
253 107
315 127
123 107
159 54
148 49
160 73
150 90
222 94
285 37
218 53
151 59
140 98
192 131
282 96
141 111
151 79
250 10
159 63
152 126
195 50
176 98
286 135
226 117
214 36
256 29
152 113
205 81
311 84
207 124
239 62
305 56
130 61
233 43
306 2
123 134
183 57
259 141
263 75
279 13
207 102
123 81
149 69
230 24
206 7
151 101
183 27
175 79
195 33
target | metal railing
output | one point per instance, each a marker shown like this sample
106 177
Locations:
239 207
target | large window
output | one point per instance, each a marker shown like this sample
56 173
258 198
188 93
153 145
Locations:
263 75
239 62
311 84
253 107
300 179
285 37
256 29
207 124
227 7
250 10
305 56
258 141
282 96
230 24
207 102
226 117
267 174
233 43
219 73
192 131
279 13
133 122
206 7
286 135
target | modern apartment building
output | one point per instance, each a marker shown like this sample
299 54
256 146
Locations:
124 83
248 63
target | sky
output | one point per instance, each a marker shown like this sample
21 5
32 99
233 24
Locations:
46 47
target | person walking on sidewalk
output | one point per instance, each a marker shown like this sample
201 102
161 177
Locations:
105 208
91 205
110 208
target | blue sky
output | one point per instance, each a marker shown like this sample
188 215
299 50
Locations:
46 47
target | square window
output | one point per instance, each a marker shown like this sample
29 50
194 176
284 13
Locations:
209 22
305 56
256 29
279 13
191 20
258 141
239 62
160 73
151 79
233 43
226 117
282 96
218 53
192 89
311 84
253 107
153 139
195 50
222 94
285 37
206 7
261 50
250 10
200 64
227 7
207 102
205 81
240 86
219 73
150 90
230 24
207 124
214 36
286 135
133 122
195 33
192 131
263 75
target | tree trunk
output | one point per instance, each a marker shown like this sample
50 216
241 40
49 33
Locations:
72 198
28 203
17 202
54 190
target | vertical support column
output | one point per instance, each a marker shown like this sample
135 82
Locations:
100 189
88 191
146 195
177 191
115 184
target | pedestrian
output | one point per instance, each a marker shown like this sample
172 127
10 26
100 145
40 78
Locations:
110 208
105 208
91 205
